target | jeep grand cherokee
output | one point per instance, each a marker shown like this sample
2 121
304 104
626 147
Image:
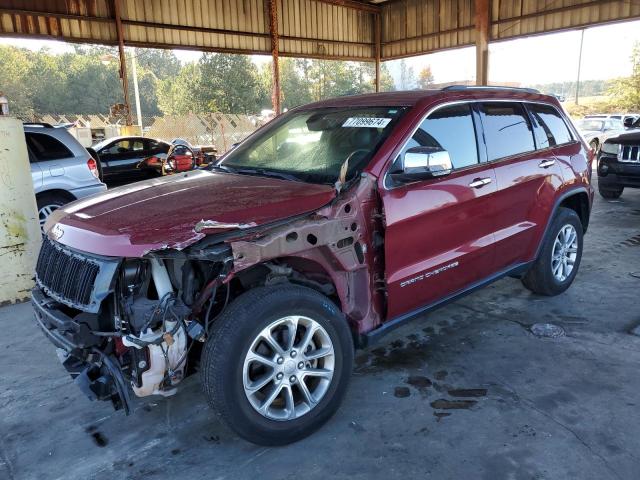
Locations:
324 229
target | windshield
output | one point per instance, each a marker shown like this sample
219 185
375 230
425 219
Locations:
312 145
590 125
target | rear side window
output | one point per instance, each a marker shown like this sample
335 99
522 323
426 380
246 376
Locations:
506 130
45 147
452 129
550 128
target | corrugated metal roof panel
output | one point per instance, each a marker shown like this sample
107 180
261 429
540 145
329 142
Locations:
519 18
308 28
337 29
414 27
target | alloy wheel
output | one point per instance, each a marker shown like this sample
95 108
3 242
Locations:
44 212
288 368
564 252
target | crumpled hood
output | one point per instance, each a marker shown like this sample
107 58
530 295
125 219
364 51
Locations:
177 211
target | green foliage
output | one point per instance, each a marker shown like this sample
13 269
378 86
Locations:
87 81
626 91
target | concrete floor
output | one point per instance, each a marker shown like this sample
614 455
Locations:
530 407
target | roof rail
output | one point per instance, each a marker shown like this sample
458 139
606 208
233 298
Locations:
490 87
37 124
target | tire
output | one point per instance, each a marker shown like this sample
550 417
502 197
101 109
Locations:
540 278
224 367
610 193
47 203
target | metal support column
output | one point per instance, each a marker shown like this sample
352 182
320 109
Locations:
123 59
275 72
378 47
482 41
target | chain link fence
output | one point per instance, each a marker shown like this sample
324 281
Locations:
216 129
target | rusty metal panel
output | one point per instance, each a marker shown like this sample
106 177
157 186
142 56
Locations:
415 27
78 20
310 28
520 18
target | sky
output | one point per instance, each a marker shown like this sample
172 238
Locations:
528 61
540 59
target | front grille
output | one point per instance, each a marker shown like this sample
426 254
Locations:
629 153
65 275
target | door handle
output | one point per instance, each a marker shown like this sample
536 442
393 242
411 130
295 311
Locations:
546 163
480 182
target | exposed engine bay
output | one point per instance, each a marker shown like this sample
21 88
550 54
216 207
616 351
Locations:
138 324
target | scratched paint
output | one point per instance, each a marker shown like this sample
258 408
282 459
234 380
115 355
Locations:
19 228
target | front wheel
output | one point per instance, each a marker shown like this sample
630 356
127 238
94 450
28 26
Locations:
277 363
557 265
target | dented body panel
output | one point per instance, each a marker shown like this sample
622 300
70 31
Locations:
175 212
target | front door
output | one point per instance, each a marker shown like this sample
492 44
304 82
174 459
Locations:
439 236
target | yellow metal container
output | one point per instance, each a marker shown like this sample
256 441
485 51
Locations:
19 227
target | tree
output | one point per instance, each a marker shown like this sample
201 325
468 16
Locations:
228 83
626 91
407 76
425 78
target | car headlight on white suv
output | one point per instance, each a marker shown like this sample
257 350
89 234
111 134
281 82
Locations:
610 148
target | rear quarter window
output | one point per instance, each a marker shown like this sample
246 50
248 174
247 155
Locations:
506 129
550 128
45 147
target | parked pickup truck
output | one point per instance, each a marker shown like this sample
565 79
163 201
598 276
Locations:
326 228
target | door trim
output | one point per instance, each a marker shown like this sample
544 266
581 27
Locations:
367 339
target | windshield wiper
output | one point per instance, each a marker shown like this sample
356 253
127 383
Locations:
265 173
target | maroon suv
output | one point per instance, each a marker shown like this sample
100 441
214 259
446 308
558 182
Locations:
323 230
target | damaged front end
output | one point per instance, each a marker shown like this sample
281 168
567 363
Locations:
137 324
121 324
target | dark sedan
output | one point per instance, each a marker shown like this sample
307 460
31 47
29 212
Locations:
121 158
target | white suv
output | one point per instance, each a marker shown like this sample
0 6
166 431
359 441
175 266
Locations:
62 170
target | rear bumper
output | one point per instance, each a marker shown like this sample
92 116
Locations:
96 373
94 189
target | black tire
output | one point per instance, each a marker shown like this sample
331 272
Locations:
52 200
610 193
233 334
540 279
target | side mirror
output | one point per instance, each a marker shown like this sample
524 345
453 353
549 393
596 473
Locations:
423 163
628 122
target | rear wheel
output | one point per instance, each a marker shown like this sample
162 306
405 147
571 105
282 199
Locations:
277 363
47 204
610 193
557 265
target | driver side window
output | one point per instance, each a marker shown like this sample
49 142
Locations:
449 128
123 146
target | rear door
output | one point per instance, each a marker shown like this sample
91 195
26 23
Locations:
527 180
438 237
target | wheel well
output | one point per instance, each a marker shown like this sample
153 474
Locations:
56 193
292 269
579 202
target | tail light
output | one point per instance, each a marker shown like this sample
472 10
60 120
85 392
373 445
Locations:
93 167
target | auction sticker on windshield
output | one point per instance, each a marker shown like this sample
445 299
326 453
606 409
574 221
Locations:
366 122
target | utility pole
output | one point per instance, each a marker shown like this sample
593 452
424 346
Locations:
579 65
136 90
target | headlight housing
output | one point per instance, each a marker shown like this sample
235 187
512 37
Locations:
610 148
